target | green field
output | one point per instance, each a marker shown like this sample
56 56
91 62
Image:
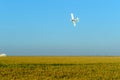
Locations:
60 68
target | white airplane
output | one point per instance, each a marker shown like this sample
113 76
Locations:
74 20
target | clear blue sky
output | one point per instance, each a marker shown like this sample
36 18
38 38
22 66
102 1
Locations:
43 27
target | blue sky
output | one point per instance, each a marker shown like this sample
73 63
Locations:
43 27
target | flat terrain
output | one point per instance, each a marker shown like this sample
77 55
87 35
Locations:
60 68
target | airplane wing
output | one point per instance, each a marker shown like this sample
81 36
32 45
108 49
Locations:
72 16
74 23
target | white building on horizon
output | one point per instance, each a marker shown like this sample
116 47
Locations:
3 55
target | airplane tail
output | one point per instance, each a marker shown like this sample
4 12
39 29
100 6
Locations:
77 19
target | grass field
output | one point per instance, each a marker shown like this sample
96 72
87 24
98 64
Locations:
59 68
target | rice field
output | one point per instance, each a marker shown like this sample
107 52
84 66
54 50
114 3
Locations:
59 68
